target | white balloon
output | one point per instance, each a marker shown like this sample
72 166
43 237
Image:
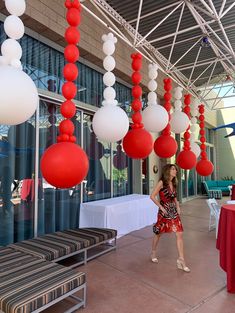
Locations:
152 85
110 102
3 60
109 63
193 128
153 74
18 96
110 124
109 93
16 63
194 120
179 122
195 148
108 47
155 118
194 112
16 7
152 97
109 79
178 94
14 27
11 49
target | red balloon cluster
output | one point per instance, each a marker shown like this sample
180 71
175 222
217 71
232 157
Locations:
186 159
65 164
138 142
166 146
204 167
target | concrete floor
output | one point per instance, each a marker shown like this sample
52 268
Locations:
126 281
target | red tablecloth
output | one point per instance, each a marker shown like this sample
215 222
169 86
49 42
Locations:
226 243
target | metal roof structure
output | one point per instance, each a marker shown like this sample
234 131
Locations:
192 41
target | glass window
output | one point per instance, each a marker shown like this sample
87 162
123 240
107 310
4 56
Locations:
122 183
17 153
98 180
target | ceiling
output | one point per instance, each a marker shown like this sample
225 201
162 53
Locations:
191 41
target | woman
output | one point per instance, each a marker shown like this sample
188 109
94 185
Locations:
168 213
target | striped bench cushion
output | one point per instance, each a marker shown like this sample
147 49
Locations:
28 283
56 245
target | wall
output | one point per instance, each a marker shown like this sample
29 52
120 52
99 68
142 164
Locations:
226 146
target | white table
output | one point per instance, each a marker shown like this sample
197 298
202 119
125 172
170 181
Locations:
125 214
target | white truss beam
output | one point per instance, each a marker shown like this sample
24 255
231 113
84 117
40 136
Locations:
160 23
138 21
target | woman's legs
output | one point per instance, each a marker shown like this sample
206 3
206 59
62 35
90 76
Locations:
180 246
154 248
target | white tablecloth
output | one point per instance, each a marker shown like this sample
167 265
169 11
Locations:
125 214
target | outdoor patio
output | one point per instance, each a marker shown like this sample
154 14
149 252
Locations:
126 281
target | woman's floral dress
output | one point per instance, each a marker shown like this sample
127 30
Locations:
169 222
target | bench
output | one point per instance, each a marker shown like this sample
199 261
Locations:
30 278
217 188
65 244
29 284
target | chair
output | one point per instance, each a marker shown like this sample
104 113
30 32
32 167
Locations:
214 214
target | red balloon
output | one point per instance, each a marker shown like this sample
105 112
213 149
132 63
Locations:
64 165
204 167
66 127
165 146
187 110
68 109
73 17
70 71
167 96
69 90
72 35
136 91
136 64
136 78
186 159
138 143
136 105
136 117
71 53
201 109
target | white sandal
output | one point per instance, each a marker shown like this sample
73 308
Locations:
154 258
181 265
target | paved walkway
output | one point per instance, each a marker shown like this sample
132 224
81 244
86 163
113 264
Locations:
126 281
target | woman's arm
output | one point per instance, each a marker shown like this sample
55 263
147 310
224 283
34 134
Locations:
154 195
177 206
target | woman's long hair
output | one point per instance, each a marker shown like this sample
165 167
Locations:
166 175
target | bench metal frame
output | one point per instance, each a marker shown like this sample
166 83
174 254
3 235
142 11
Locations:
109 244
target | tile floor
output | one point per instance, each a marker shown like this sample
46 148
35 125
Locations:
126 281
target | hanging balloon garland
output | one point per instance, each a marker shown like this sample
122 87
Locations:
165 146
65 164
138 142
204 167
186 159
179 120
155 116
194 112
110 123
18 92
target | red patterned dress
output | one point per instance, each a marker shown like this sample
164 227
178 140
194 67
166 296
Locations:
171 221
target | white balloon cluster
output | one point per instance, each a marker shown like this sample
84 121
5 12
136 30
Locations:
179 120
110 123
18 93
193 128
155 116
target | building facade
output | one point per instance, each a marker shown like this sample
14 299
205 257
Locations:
30 206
